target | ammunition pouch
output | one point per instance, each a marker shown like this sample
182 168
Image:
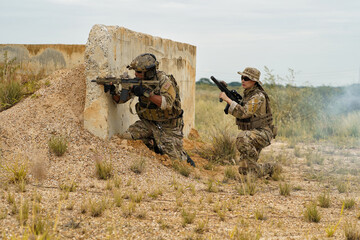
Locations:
152 112
148 106
255 122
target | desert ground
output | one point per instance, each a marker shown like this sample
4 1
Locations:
147 196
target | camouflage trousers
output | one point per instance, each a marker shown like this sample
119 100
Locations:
166 137
250 143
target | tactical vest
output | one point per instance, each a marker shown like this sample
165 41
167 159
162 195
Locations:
150 111
264 120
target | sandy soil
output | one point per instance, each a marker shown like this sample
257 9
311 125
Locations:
221 211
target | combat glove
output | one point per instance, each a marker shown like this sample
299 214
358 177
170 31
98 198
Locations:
109 88
141 91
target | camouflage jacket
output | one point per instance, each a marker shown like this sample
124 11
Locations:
255 106
170 105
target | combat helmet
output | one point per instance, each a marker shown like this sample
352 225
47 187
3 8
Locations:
252 73
143 63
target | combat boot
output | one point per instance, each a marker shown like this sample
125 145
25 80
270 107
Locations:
246 166
270 168
190 161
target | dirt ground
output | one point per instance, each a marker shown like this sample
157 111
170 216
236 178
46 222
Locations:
159 202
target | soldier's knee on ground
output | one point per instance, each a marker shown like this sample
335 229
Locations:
126 135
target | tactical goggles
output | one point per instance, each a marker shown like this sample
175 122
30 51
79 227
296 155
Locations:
245 78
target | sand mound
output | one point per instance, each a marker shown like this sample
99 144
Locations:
57 109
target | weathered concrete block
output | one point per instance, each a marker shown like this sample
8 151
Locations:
108 51
44 57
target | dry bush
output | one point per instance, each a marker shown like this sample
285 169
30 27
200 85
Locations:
223 149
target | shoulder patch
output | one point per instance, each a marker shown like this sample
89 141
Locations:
166 86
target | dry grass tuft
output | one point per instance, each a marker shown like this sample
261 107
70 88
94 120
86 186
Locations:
103 169
236 234
324 200
311 213
17 171
248 185
188 217
138 166
349 203
182 168
58 145
230 173
352 232
285 189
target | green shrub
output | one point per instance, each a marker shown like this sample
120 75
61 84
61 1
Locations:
10 94
10 87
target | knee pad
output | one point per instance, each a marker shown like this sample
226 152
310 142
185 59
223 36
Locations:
127 136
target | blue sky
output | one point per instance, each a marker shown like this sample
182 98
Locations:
318 39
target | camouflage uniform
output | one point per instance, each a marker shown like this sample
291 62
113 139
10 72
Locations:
254 118
161 127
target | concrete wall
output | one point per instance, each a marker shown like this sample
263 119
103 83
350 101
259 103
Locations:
44 57
108 51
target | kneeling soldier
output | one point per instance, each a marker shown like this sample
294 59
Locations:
254 118
161 118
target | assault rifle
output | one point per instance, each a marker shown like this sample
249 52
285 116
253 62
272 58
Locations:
232 94
127 84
